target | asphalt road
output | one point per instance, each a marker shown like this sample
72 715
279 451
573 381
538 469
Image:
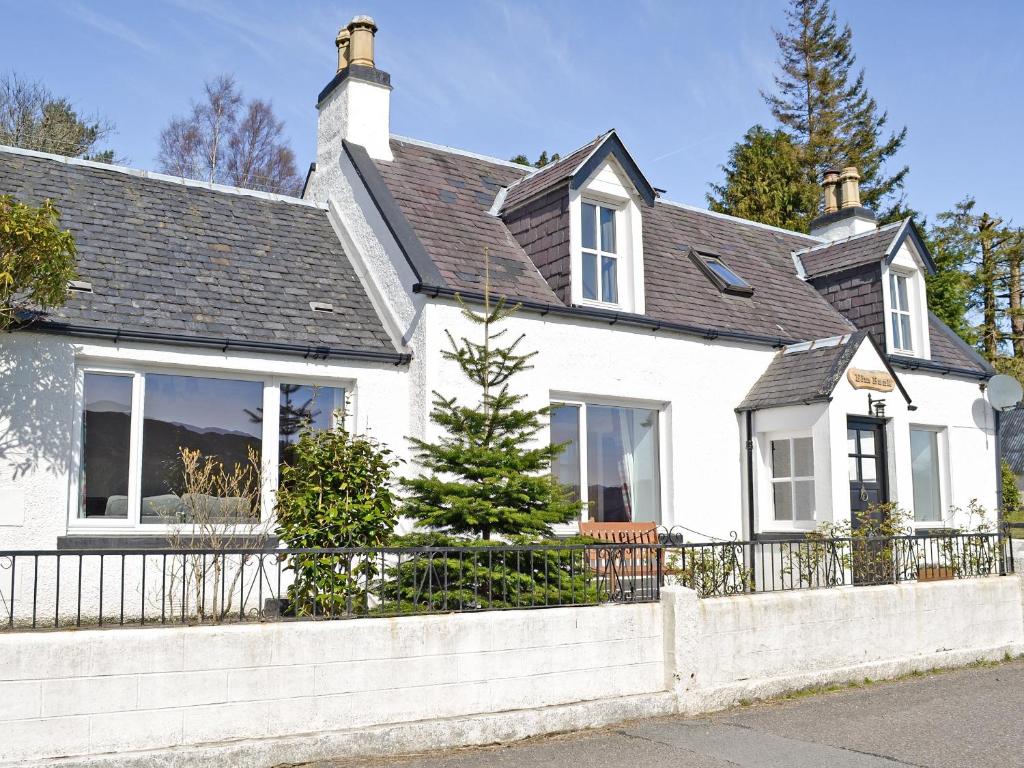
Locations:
970 717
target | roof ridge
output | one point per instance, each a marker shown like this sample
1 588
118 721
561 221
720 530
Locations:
144 174
594 142
738 219
529 170
830 243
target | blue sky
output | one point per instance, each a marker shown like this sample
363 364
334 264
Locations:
679 80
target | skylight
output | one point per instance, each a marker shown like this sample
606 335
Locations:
722 275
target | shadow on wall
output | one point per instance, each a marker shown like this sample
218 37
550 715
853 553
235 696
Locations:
981 411
37 385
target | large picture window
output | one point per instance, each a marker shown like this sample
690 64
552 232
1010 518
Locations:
136 424
792 466
925 466
612 459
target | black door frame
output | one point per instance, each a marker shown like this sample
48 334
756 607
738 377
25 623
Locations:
881 453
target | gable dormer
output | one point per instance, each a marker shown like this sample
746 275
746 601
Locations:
580 221
874 275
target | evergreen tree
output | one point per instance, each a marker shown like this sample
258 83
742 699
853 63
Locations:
542 160
979 259
33 118
824 105
487 475
765 182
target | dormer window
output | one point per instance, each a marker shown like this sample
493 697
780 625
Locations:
900 312
600 253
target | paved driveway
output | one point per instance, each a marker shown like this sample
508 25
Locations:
972 718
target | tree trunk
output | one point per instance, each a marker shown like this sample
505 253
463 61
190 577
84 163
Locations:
989 299
1016 318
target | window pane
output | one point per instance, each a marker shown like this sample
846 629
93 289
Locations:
869 469
893 298
897 339
901 291
803 499
803 457
924 461
854 465
905 341
106 438
783 496
607 230
867 442
302 404
589 225
609 280
623 477
565 428
727 275
851 441
589 275
220 418
781 464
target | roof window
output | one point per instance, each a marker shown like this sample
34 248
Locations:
321 306
80 286
721 274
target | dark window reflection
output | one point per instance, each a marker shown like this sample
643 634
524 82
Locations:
213 416
565 428
106 441
303 404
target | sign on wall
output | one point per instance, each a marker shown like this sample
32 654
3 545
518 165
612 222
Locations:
880 381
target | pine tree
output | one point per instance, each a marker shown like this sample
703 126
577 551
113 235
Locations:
827 110
487 475
542 160
765 182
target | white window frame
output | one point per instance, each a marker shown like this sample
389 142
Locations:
899 344
941 439
766 520
601 255
581 404
268 447
905 264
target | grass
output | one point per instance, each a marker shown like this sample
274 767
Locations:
816 690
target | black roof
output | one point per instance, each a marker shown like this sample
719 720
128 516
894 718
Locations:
193 262
1011 438
808 373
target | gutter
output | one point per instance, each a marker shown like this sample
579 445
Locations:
613 318
913 364
309 351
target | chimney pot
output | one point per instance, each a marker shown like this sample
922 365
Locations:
342 41
849 188
360 51
830 184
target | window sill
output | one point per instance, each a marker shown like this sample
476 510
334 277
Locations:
122 541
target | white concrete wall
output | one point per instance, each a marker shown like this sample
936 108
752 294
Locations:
732 648
697 385
94 692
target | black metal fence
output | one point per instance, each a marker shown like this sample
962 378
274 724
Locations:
90 588
817 562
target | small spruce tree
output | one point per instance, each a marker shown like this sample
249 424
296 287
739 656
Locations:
487 475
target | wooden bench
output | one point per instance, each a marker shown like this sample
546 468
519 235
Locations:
636 570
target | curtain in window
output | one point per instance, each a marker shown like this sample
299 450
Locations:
622 464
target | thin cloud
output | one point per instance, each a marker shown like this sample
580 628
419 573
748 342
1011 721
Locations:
112 27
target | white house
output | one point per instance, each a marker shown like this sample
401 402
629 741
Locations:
709 372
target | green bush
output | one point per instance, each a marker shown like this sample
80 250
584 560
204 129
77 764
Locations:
484 574
335 492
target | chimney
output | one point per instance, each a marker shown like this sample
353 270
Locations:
355 106
843 215
342 42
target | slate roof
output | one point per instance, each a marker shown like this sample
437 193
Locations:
852 252
797 377
551 175
447 195
1011 437
166 257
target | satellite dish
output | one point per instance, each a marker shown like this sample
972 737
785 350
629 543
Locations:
1004 392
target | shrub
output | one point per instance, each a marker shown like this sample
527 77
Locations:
485 574
335 492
